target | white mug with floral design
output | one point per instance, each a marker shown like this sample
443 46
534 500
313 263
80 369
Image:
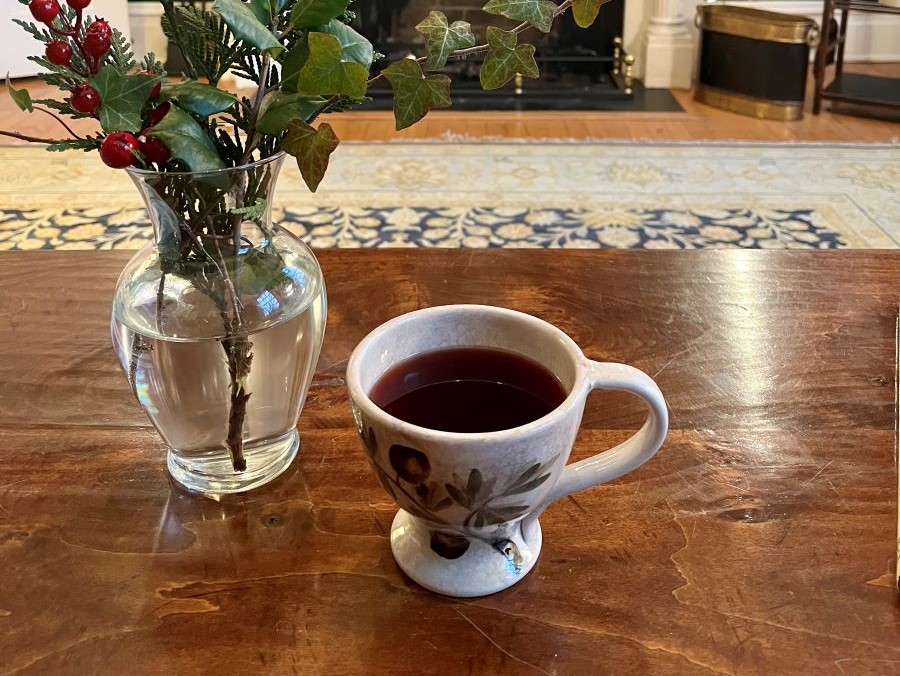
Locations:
470 501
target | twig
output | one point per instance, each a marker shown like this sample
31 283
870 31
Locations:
160 299
254 113
58 119
24 137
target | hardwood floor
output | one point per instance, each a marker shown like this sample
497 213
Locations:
698 122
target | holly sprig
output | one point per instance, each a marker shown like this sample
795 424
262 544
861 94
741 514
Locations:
304 55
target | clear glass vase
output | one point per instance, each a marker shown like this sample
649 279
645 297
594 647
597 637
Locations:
218 325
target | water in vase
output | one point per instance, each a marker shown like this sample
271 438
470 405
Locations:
184 384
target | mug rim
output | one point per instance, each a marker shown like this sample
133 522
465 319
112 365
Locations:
372 410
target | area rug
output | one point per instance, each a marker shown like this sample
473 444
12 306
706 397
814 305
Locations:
507 194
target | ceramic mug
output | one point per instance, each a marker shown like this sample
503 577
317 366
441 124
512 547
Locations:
468 523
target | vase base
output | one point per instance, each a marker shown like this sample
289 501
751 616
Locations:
213 474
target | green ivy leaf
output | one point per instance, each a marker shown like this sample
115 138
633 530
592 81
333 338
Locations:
242 22
312 148
441 39
292 63
279 109
354 47
21 97
123 97
505 59
414 93
187 141
539 13
198 98
310 13
585 11
324 73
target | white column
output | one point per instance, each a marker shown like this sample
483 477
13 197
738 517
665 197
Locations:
668 47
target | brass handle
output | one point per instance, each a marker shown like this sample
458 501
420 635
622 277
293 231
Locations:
812 36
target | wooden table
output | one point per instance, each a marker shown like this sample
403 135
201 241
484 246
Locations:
761 539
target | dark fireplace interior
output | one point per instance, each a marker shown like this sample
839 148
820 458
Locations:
578 66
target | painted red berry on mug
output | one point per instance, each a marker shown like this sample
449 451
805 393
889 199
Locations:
44 10
411 465
153 149
449 545
78 4
96 44
59 52
117 149
85 98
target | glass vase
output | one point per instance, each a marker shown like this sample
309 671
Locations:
218 324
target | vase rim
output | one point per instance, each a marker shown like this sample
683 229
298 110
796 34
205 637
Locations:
137 171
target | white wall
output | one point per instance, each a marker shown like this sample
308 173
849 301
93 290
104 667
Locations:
16 45
146 33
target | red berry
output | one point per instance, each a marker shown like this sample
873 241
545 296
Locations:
153 149
117 149
44 10
98 27
59 52
159 113
84 98
157 88
96 44
78 4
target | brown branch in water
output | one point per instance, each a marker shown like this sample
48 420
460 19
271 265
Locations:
238 349
160 299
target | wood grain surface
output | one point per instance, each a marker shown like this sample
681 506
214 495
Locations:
760 540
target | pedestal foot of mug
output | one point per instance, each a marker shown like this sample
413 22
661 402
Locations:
448 562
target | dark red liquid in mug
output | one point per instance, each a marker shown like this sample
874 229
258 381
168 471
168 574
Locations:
468 389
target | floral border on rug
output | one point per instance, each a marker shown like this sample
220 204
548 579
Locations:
325 227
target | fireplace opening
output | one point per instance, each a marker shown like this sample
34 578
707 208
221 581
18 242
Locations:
581 68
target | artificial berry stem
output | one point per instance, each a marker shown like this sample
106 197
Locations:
58 119
67 32
23 137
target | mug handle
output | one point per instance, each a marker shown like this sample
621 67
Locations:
628 455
